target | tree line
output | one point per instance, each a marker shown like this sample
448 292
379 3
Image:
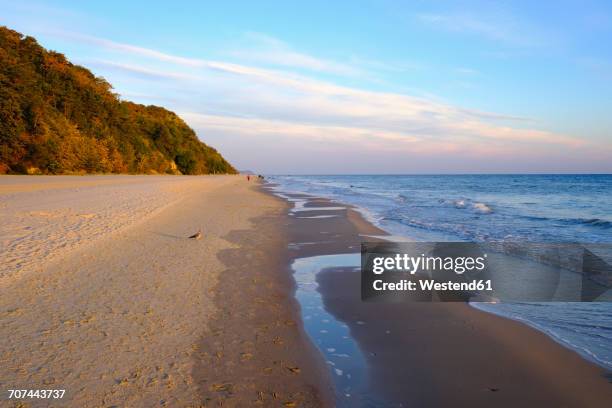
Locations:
59 118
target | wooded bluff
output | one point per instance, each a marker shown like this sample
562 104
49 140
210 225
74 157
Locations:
59 118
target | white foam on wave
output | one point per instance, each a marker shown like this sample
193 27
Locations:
282 190
483 208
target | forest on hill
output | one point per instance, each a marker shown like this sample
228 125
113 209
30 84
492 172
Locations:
59 118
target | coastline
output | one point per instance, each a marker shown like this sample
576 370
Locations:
137 314
478 358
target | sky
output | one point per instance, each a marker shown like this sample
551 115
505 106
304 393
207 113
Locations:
357 87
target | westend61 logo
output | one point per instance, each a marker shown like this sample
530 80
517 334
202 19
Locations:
502 271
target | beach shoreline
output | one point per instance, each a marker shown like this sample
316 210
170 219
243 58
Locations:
481 359
119 307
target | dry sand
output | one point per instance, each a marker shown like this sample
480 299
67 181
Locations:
102 295
42 218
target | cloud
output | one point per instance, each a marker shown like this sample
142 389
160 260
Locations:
271 51
274 146
266 49
444 136
500 27
143 72
273 107
327 134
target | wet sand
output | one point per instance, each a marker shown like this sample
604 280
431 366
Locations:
440 354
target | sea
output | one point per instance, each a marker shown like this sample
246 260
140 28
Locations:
488 208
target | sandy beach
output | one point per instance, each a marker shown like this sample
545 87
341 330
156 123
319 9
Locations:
104 296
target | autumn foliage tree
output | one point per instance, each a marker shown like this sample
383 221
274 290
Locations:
57 117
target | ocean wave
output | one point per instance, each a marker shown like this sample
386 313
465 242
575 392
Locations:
533 218
482 208
459 203
466 203
402 198
595 222
457 210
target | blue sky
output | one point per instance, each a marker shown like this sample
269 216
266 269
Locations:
358 87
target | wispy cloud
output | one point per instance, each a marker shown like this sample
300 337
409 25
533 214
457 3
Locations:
143 72
497 26
268 106
128 48
262 48
433 140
